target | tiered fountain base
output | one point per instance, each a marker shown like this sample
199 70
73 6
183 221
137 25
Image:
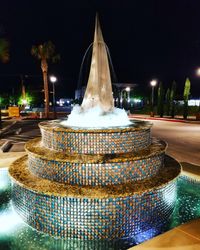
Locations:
100 196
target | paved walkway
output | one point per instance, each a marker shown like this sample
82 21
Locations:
7 158
184 237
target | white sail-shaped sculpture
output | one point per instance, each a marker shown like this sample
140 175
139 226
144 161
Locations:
97 109
99 89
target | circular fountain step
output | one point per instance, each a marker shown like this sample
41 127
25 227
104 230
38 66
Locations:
94 169
108 212
96 141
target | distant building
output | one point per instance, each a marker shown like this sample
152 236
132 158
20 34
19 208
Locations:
122 94
194 102
191 102
79 93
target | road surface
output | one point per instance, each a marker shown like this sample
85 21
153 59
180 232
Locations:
183 139
21 132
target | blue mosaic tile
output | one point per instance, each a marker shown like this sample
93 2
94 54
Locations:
95 173
84 218
96 143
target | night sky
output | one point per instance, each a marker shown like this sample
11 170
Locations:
147 39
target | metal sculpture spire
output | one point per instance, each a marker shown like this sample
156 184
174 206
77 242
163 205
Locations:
99 88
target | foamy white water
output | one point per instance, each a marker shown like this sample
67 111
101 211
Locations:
96 118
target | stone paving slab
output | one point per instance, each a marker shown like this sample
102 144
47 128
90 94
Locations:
17 147
7 158
191 170
184 237
191 228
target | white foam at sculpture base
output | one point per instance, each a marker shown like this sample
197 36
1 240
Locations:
96 118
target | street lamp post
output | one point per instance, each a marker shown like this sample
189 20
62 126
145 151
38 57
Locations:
153 84
53 79
128 96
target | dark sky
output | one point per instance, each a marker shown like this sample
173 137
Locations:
147 39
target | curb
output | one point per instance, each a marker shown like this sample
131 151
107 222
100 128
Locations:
165 119
6 145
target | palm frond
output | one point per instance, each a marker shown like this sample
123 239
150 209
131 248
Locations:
45 51
4 50
35 52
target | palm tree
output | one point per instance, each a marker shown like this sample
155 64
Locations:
160 106
167 101
45 52
172 99
4 50
4 56
186 94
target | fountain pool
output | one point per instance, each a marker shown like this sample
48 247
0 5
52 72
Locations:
17 235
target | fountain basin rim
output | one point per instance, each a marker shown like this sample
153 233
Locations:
55 125
35 148
20 174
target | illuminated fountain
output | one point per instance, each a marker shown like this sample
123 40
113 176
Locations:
91 180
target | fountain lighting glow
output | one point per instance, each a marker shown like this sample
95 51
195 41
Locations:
4 179
10 220
144 236
169 198
96 118
14 231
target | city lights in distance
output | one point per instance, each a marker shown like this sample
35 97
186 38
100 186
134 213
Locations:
137 100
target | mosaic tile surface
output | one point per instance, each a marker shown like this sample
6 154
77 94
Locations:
95 173
95 218
96 142
93 195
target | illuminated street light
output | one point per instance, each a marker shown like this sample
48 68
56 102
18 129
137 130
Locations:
124 96
153 84
198 72
53 79
24 102
128 89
